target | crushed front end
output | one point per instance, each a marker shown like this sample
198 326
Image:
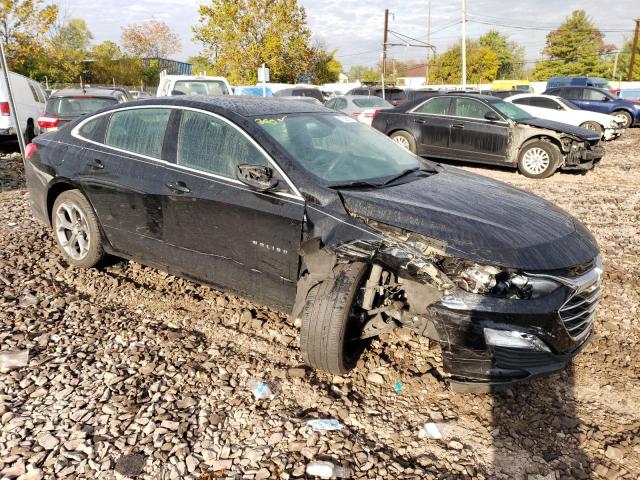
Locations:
581 154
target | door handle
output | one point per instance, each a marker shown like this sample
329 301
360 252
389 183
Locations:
419 120
178 187
457 125
96 164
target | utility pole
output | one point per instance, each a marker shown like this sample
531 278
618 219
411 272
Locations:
634 47
464 44
428 41
615 65
384 48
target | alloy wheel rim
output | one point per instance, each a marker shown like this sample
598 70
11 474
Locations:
591 126
403 142
536 160
622 118
72 230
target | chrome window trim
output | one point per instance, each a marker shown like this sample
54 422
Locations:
75 133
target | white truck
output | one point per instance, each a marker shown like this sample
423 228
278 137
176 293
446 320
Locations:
171 85
30 99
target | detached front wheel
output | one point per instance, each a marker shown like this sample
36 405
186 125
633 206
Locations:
332 321
539 159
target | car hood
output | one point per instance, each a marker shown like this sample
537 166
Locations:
479 219
560 127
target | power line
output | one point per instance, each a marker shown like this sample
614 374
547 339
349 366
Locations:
541 29
547 27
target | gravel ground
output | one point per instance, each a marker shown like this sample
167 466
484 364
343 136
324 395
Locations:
133 372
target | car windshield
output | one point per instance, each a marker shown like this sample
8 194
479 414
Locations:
371 102
339 150
200 87
510 110
76 106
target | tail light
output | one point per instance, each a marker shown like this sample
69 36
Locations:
371 115
48 122
30 150
4 109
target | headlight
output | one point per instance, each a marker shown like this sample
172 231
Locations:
497 281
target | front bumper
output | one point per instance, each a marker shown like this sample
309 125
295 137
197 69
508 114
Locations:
612 133
460 321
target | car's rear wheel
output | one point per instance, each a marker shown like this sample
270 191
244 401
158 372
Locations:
593 126
405 140
624 117
76 230
332 321
539 159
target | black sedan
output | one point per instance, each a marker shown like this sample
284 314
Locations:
486 129
307 210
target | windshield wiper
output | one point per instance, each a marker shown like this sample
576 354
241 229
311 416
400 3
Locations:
405 173
355 184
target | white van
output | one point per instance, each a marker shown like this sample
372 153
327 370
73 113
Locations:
30 99
171 85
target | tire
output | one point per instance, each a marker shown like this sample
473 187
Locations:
405 140
593 126
328 321
72 214
624 117
539 159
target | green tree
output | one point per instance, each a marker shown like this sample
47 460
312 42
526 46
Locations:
324 67
482 65
363 74
66 49
623 62
510 54
23 25
239 35
108 64
575 48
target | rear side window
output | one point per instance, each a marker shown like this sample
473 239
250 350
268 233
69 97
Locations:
139 131
371 102
544 103
435 106
212 145
93 129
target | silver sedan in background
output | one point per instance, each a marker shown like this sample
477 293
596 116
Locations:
360 107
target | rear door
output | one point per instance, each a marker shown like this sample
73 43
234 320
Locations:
221 231
432 121
123 176
475 138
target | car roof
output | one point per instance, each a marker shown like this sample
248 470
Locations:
534 95
87 92
240 105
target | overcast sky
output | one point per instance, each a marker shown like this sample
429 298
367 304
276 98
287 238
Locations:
355 27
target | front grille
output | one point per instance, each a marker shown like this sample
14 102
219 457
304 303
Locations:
520 359
578 311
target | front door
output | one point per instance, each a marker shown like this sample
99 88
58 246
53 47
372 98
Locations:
221 231
475 138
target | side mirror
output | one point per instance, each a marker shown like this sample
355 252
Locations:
492 116
258 177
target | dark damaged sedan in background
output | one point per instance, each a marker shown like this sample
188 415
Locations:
309 211
486 129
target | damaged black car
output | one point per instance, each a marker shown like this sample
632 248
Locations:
486 129
307 210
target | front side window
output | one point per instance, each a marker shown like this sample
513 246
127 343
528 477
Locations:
138 130
594 95
522 101
338 149
209 144
435 106
470 108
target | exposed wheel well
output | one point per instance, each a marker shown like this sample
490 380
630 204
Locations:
546 138
53 193
399 130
